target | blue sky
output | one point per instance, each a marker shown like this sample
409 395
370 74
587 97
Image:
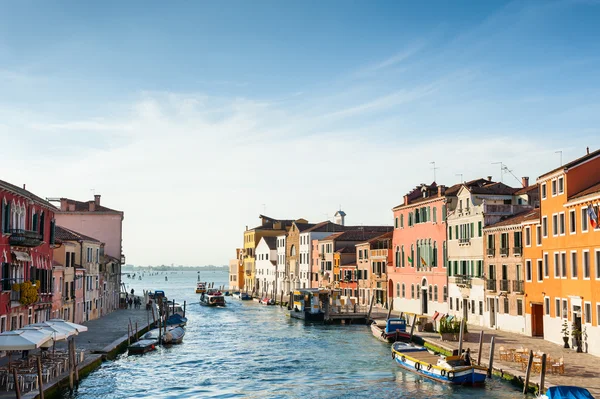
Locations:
220 107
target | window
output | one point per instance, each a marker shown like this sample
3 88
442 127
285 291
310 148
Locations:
450 233
519 307
452 302
472 306
528 270
397 289
587 309
561 223
546 266
547 306
539 270
434 261
556 265
527 236
563 264
538 235
555 224
584 220
403 291
435 293
412 291
401 221
553 188
445 290
480 308
543 186
561 185
597 257
572 222
506 305
434 214
444 213
585 258
574 264
557 307
565 309
545 226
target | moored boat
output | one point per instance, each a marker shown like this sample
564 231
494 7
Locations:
447 369
177 334
142 346
176 320
394 329
200 287
267 301
567 392
306 305
212 297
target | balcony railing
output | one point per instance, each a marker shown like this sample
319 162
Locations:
517 251
518 286
504 285
504 251
462 280
464 240
381 253
490 285
25 238
491 251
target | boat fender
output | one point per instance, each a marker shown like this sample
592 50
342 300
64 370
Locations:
417 366
429 367
443 372
403 359
450 374
393 355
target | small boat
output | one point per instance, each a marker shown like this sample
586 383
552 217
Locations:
212 297
177 334
200 287
176 320
244 296
142 346
393 330
267 301
306 306
567 392
456 370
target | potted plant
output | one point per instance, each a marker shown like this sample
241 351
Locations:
419 326
584 336
565 333
576 333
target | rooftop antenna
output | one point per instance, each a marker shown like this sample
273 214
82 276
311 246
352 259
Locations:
93 190
501 170
510 171
434 169
461 177
559 152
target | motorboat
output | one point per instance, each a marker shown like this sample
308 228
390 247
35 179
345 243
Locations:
566 392
142 346
267 301
200 287
212 297
391 330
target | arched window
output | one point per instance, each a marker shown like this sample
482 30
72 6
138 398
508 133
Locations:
397 257
445 290
418 291
434 260
412 291
293 250
435 293
412 255
403 264
398 289
410 219
403 291
34 222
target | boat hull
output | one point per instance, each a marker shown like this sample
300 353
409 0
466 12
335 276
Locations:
380 334
142 346
308 317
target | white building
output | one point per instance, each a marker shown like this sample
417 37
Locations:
316 232
282 282
266 264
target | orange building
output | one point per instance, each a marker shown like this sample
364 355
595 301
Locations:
568 292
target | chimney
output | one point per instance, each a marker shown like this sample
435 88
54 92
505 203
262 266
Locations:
406 199
588 150
26 189
63 204
72 207
441 190
92 206
489 178
525 181
97 199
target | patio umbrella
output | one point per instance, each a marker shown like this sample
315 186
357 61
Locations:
61 322
59 329
19 340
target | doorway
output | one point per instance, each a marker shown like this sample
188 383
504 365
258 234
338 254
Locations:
424 300
537 320
492 307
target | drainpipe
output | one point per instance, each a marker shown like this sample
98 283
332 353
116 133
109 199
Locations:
84 276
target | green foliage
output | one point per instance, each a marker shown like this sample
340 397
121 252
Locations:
450 326
565 329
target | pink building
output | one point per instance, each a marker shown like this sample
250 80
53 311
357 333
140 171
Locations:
58 277
316 265
417 277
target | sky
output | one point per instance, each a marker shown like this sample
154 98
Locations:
195 117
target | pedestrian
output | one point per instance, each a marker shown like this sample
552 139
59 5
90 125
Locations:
130 302
132 291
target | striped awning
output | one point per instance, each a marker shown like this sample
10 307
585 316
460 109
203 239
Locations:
22 256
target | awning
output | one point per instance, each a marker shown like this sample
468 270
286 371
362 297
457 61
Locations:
22 256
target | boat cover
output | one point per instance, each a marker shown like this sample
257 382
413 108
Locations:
176 319
568 392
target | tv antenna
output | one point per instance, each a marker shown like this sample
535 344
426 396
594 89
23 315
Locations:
434 169
461 177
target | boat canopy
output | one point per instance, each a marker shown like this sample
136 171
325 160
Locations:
396 324
568 392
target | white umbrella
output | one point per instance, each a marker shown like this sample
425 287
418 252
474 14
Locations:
19 340
56 334
78 327
62 332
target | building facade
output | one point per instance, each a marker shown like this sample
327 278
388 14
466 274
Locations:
266 265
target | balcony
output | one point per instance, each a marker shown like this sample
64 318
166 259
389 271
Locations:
379 253
491 252
504 251
518 251
464 281
464 240
25 238
504 209
518 286
490 285
504 285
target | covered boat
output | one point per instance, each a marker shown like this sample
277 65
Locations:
392 330
212 297
307 305
142 346
244 296
267 301
177 334
176 320
447 369
567 392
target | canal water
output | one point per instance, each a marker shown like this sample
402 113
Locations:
247 350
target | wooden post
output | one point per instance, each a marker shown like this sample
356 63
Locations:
542 375
281 299
480 348
147 319
153 317
73 356
412 327
136 331
40 376
370 308
128 336
491 365
184 303
460 337
391 306
528 372
71 368
17 387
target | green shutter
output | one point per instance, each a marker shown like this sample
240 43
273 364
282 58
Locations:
480 226
444 215
396 223
434 215
450 233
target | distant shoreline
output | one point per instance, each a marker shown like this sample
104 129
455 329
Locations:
174 268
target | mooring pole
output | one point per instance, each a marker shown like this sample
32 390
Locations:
528 372
460 337
491 365
40 376
412 327
480 348
542 375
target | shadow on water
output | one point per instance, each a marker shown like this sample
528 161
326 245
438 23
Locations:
254 351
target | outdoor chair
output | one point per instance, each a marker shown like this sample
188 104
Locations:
30 382
558 367
504 354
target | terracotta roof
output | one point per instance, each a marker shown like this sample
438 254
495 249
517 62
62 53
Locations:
85 207
332 236
381 237
27 194
302 227
64 234
493 188
346 250
517 218
527 190
326 226
574 162
356 235
271 242
453 190
349 262
590 190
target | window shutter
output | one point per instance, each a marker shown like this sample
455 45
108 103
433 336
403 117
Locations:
472 230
